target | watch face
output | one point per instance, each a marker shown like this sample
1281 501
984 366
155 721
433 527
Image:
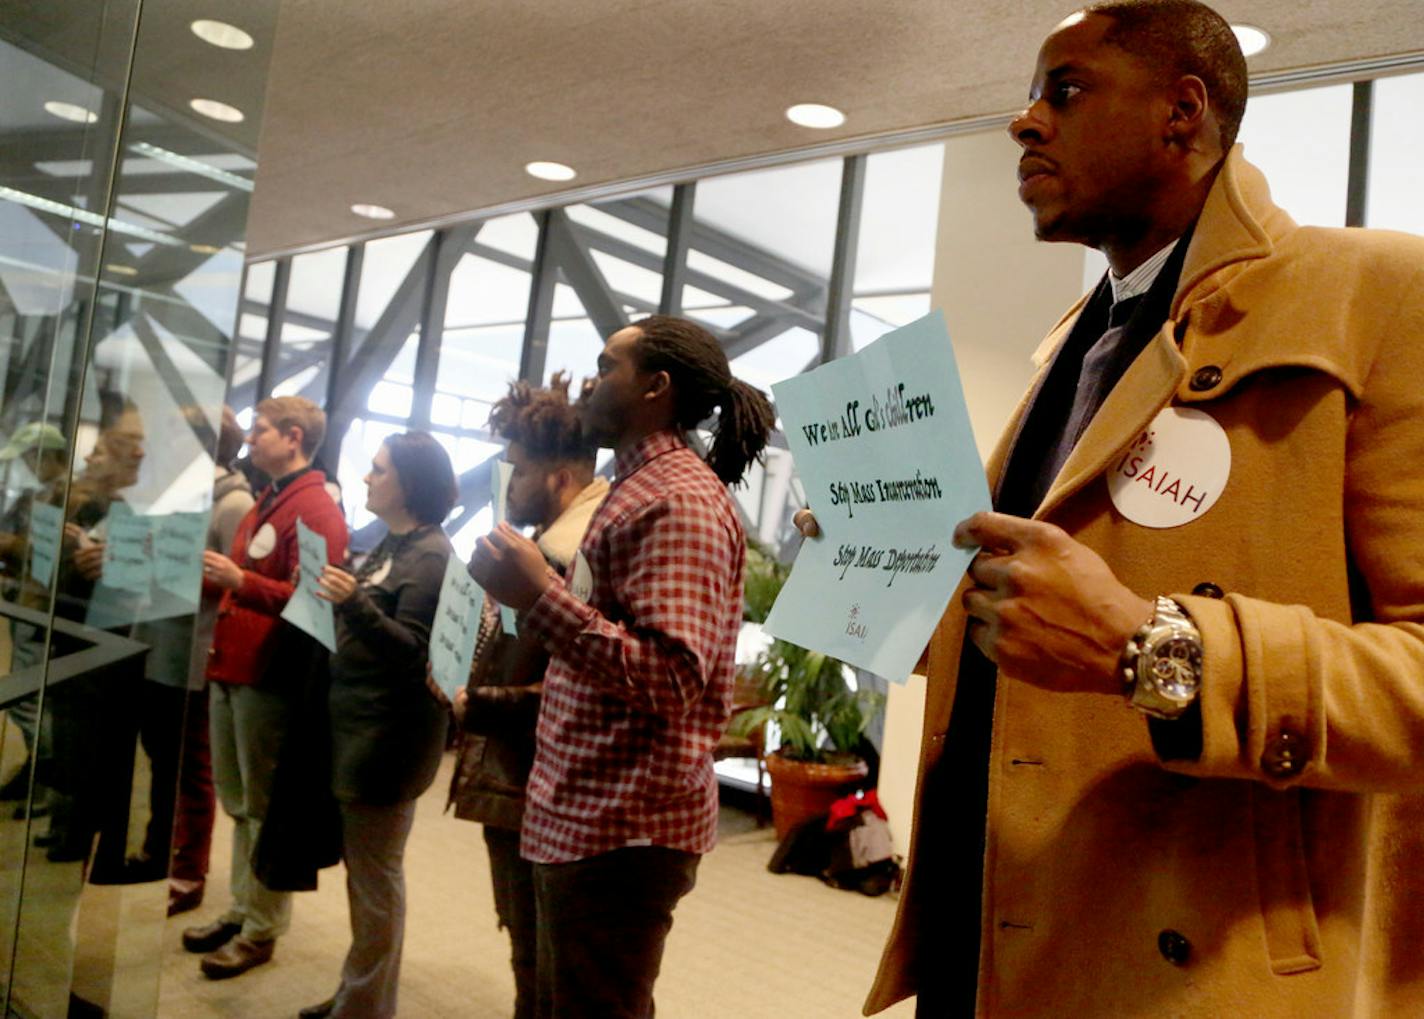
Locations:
1176 668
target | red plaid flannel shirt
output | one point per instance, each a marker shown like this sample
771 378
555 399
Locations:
639 685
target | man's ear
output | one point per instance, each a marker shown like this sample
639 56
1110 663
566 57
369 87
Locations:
659 382
299 433
1190 114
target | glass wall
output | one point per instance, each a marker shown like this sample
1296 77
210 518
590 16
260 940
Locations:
122 213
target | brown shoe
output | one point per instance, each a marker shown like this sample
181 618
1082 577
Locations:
236 957
210 937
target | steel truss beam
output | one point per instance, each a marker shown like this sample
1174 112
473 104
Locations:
570 252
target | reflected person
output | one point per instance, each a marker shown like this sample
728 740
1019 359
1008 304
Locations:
92 715
387 728
41 450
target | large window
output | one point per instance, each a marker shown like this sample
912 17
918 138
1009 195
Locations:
894 263
759 265
1396 155
1301 140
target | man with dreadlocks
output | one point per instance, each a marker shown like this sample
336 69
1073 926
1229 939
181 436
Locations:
641 630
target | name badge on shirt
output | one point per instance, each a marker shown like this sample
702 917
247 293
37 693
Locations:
381 573
263 542
1174 472
581 578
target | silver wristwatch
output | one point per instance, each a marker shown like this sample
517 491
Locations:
1162 662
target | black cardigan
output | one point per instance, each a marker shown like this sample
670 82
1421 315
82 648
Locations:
387 729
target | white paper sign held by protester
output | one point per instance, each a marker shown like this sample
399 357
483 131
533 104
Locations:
1175 470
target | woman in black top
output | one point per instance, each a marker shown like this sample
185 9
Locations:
387 729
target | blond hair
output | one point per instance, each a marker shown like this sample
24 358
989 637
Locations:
287 411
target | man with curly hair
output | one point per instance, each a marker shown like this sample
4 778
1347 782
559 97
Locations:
552 489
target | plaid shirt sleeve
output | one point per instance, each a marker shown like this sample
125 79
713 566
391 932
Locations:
677 574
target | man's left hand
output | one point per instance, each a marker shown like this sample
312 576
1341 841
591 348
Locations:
511 568
1047 608
89 561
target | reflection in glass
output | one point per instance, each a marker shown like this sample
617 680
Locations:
118 307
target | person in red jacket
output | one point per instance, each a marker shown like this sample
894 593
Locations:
250 707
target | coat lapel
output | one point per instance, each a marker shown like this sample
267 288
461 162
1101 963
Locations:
1144 389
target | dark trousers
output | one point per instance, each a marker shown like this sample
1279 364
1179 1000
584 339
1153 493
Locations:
602 925
197 802
513 879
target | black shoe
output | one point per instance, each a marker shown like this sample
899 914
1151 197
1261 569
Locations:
134 871
65 850
24 810
318 1011
210 938
18 788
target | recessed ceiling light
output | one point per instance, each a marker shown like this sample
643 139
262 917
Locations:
550 171
372 211
220 33
204 249
815 115
121 270
215 110
71 111
1252 39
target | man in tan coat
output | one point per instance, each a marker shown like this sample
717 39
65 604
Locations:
1175 719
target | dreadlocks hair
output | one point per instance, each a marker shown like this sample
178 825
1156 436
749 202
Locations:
543 421
702 380
1184 37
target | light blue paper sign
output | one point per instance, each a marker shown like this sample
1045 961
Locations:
457 624
883 445
46 532
128 550
304 609
499 480
178 543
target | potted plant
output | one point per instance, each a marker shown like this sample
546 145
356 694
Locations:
806 695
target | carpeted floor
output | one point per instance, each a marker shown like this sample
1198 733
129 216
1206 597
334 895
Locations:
745 943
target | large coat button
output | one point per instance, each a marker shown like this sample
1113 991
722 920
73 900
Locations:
1206 378
1206 589
1174 946
1285 754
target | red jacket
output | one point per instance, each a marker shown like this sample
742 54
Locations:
249 617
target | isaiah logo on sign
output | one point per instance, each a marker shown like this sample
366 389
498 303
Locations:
855 626
1175 470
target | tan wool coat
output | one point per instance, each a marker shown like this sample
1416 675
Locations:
1290 855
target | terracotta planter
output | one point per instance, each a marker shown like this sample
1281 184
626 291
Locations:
801 790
